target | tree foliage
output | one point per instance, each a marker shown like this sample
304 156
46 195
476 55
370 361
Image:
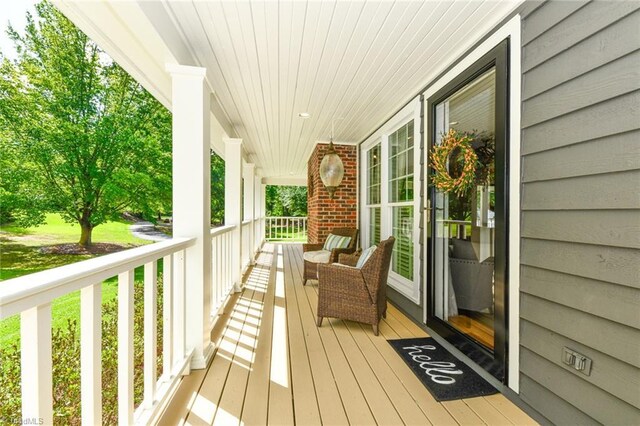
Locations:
286 200
84 137
217 189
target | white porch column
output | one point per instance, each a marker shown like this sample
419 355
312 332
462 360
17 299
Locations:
249 174
233 205
192 200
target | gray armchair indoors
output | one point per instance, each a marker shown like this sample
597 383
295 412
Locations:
472 280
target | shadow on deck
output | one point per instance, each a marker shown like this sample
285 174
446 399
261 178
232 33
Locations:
274 366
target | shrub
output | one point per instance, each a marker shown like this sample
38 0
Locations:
66 366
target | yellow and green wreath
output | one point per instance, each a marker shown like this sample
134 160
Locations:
440 158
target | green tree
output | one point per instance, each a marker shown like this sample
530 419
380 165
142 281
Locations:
217 189
95 142
286 200
16 195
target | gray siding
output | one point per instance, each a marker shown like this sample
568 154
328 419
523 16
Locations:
580 249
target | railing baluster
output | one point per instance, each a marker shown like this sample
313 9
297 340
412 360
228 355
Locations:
150 332
37 382
125 347
214 296
282 228
230 261
179 305
215 270
225 264
91 354
219 272
167 316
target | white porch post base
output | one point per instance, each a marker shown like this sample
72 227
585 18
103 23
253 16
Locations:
192 200
200 362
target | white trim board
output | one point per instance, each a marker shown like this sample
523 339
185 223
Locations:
510 30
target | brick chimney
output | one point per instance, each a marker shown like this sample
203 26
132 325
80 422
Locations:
323 212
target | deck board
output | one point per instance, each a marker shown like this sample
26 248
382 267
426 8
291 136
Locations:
274 366
258 382
329 401
306 407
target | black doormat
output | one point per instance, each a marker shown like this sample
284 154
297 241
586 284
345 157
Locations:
445 376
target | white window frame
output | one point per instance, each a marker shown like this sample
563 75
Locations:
366 232
408 288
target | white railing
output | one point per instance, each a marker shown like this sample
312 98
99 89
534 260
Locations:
221 261
31 297
283 228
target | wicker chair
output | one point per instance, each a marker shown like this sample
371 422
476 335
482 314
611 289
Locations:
311 268
356 294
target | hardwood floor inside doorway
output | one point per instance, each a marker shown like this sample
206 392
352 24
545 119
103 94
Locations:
474 328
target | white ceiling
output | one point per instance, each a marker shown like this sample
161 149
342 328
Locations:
355 60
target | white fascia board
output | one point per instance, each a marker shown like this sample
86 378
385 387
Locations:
125 31
163 20
141 53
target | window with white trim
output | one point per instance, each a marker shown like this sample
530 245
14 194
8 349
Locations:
390 195
401 158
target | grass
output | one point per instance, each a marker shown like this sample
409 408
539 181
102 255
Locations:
17 259
57 231
20 255
65 308
281 234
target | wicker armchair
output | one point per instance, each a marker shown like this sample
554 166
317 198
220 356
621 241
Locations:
311 268
356 294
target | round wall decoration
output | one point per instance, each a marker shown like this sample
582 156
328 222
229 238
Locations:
440 157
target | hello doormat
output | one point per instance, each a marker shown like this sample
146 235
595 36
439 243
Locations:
445 376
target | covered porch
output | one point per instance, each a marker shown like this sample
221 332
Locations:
237 350
274 366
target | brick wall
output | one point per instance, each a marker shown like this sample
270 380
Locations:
325 213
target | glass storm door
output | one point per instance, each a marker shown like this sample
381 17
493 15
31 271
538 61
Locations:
467 247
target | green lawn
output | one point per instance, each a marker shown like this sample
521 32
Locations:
282 234
57 231
20 255
65 308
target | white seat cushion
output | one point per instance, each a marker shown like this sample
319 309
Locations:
343 265
320 256
365 256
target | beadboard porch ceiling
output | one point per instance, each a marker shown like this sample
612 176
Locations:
268 61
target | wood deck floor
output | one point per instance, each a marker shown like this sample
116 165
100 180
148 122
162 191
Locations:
274 366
